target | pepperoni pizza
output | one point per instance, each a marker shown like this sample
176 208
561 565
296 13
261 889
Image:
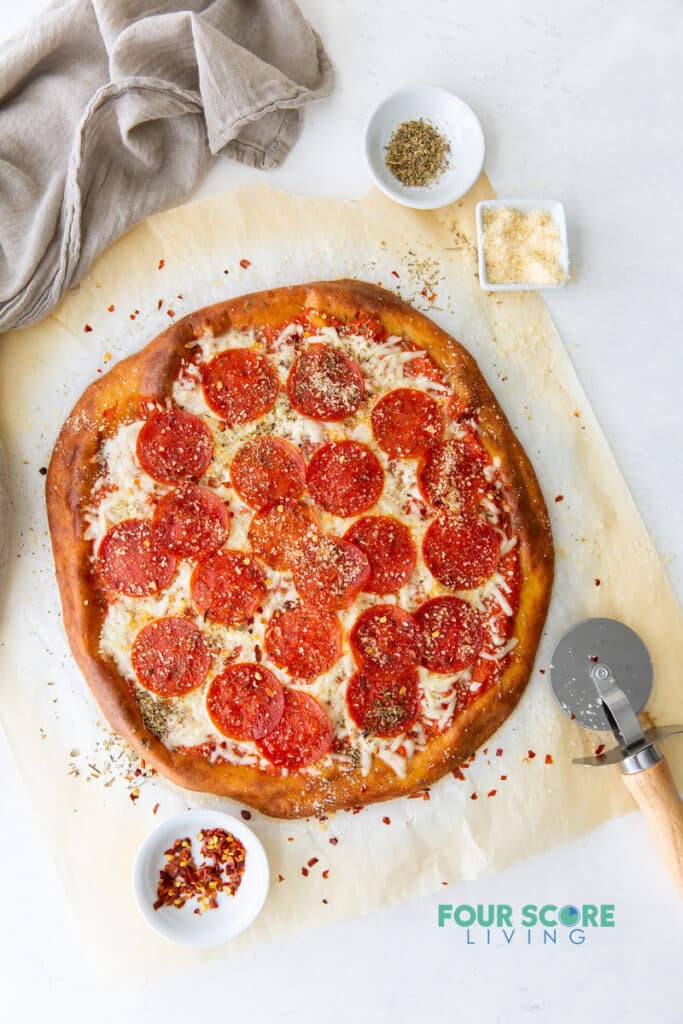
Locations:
303 560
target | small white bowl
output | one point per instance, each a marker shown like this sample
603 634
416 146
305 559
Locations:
453 118
556 210
233 914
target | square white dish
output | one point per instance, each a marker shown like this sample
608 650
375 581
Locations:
557 212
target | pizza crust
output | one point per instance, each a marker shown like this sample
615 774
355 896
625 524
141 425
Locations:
114 398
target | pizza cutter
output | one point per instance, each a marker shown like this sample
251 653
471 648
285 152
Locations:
601 673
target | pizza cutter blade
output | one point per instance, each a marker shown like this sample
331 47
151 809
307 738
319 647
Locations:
601 673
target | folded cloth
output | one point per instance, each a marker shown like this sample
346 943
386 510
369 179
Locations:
112 109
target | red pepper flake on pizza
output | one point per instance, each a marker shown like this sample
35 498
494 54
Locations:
303 560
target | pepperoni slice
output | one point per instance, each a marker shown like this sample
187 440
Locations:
174 445
388 547
423 365
329 572
277 533
386 640
267 470
304 641
384 705
302 736
325 384
345 478
452 634
406 423
245 701
240 385
461 555
191 521
131 561
451 476
171 657
227 587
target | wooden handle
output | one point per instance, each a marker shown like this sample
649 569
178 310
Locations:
654 790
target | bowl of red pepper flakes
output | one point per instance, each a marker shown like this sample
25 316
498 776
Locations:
201 878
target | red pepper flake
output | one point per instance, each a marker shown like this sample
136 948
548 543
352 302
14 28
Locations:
131 316
160 303
499 752
492 792
323 901
600 750
87 328
394 273
531 754
179 295
457 774
577 413
549 759
280 878
542 671
245 264
326 873
170 312
444 883
155 808
245 814
503 379
572 716
304 872
333 840
474 797
134 795
386 820
110 309
182 878
559 497
162 264
503 778
485 751
312 862
596 581
290 839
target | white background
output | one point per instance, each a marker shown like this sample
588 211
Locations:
580 100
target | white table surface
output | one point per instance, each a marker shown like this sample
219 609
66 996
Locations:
579 100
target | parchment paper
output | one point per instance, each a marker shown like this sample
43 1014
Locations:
84 783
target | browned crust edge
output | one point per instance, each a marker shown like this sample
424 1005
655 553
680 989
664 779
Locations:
150 372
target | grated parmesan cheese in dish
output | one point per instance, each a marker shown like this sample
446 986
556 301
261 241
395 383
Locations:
522 248
124 490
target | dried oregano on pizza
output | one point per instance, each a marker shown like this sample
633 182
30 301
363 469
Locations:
303 560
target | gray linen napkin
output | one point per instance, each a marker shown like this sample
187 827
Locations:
112 109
